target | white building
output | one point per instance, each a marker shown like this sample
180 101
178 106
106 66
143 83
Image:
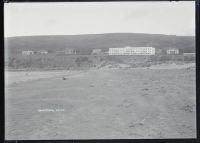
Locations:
43 52
189 54
70 51
27 52
132 51
172 51
96 51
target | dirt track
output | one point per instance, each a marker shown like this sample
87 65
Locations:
104 104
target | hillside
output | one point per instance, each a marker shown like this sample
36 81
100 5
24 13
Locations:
103 41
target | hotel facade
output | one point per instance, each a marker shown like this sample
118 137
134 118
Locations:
132 51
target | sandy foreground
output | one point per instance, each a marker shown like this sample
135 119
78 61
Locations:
24 76
101 104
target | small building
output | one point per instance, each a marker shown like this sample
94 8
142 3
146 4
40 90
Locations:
58 53
189 54
70 51
158 51
96 51
43 52
28 52
132 51
172 51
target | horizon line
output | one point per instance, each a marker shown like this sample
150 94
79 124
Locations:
98 34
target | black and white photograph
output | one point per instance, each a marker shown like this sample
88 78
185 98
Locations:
100 70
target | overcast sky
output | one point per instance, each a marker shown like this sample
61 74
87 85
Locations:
171 18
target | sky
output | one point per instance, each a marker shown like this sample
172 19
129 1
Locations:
73 18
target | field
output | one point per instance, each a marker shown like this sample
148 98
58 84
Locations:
101 104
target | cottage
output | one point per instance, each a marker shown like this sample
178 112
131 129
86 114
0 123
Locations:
96 51
58 53
70 51
189 54
172 51
43 52
27 52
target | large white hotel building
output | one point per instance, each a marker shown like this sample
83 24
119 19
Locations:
132 51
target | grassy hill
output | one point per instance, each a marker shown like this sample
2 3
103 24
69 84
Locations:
85 43
103 41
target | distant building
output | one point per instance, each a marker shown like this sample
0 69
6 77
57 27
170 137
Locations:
70 51
96 51
189 54
60 53
172 51
132 51
43 52
27 52
158 51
